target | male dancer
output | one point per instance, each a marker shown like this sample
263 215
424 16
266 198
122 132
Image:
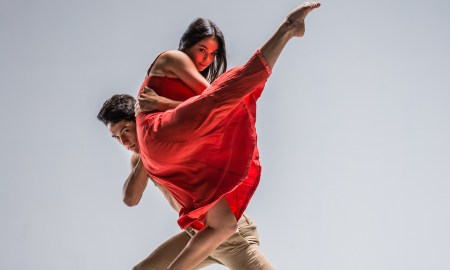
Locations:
240 251
206 200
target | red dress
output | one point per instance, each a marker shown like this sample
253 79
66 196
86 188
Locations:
205 149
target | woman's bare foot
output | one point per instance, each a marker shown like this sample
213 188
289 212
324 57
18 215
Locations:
292 26
295 21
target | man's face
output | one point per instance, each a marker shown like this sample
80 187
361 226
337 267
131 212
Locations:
125 133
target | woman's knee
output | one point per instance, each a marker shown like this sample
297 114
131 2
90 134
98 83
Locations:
228 228
222 219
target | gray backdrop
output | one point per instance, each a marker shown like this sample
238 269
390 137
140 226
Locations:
353 131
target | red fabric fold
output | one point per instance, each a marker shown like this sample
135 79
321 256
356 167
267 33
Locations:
205 149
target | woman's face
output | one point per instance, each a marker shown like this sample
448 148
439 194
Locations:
203 53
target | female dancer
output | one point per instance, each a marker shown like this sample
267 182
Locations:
204 151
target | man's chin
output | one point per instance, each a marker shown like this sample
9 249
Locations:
134 149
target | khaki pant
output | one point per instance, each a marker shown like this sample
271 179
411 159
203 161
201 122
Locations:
240 252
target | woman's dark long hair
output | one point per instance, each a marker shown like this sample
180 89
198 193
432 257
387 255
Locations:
199 29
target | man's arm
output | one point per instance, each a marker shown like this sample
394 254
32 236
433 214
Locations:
134 186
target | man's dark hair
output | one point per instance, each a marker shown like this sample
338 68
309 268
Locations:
116 109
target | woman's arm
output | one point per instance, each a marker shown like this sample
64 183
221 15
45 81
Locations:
149 101
134 186
180 65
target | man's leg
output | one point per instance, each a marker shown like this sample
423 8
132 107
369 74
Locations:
242 251
207 262
163 255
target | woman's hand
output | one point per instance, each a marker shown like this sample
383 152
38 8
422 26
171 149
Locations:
149 101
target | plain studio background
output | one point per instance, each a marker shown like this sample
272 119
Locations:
353 131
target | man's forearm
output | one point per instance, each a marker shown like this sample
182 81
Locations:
134 186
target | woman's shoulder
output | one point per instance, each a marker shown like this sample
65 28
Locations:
165 61
169 63
172 56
